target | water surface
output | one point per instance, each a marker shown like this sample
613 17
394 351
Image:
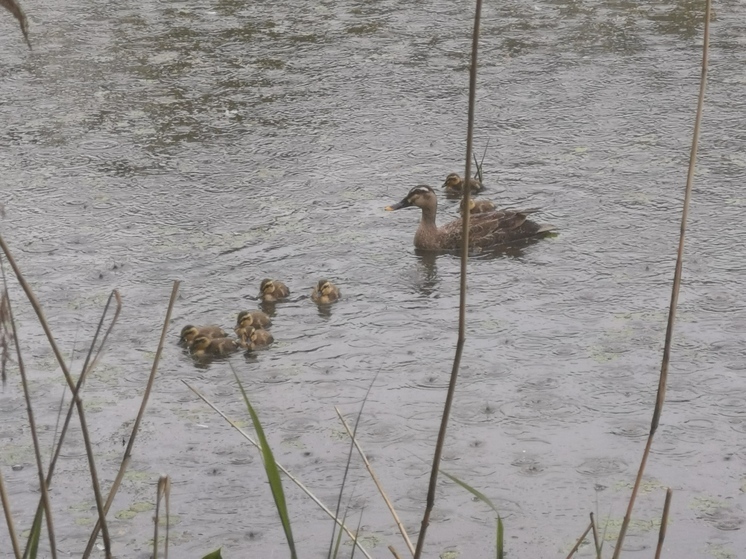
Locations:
221 143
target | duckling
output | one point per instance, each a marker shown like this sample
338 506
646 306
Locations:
253 318
189 332
250 320
485 230
454 184
325 292
202 346
255 338
478 206
273 290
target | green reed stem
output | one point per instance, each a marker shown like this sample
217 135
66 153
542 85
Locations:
676 286
462 298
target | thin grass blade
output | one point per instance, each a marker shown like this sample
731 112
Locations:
357 533
499 536
478 494
349 457
273 472
214 555
32 548
339 537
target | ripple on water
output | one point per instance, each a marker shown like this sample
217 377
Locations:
539 408
718 514
98 145
730 406
601 466
476 414
634 430
528 465
540 384
721 301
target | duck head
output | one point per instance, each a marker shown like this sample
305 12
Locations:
421 196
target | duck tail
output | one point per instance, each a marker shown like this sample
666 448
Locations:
545 228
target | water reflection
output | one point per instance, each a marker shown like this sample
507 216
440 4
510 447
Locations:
427 279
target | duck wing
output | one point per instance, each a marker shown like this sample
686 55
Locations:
504 226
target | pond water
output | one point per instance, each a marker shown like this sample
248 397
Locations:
223 142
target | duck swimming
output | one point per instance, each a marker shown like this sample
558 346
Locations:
252 338
258 319
485 229
273 290
189 332
325 292
454 184
203 346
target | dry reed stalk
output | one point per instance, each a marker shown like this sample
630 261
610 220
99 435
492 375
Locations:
163 492
71 385
393 552
661 396
6 338
374 477
292 478
32 422
9 518
83 374
664 523
462 297
595 537
580 541
15 8
136 427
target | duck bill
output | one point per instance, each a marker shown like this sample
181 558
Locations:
399 205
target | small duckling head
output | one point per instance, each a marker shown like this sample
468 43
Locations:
267 287
200 343
421 196
452 181
472 204
245 319
324 287
250 334
188 333
241 316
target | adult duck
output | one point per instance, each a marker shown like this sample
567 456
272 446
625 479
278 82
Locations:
485 229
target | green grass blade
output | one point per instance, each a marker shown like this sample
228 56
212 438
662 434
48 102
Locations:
339 537
482 497
357 534
478 494
273 472
34 537
214 555
500 535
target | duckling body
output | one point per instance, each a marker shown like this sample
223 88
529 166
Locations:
190 332
273 290
454 184
203 346
248 321
255 338
257 319
325 292
478 206
485 229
